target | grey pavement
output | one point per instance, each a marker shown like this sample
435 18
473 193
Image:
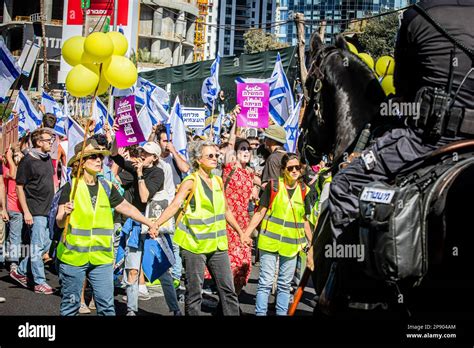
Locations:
22 301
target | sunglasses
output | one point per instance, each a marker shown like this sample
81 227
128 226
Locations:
211 156
244 148
291 168
49 140
95 156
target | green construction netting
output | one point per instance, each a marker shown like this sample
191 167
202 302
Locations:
186 80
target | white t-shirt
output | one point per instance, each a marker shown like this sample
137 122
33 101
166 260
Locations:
168 184
176 177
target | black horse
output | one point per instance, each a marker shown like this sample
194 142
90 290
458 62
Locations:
345 96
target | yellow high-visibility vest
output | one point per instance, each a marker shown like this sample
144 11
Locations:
89 238
203 230
283 224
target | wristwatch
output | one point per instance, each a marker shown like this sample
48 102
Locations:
140 178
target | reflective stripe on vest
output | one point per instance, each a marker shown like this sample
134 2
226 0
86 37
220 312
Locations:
313 217
90 235
280 232
203 230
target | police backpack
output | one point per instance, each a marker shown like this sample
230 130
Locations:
393 221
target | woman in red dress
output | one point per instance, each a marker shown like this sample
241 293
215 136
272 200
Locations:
238 180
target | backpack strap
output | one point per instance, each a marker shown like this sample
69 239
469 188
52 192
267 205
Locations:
188 199
106 186
227 180
273 192
303 191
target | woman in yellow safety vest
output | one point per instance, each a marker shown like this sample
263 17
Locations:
87 248
285 231
201 230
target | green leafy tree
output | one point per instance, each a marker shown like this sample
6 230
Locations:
257 40
379 35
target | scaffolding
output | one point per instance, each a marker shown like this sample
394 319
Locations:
200 30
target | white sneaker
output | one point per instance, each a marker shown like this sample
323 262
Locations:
84 309
143 293
2 299
131 314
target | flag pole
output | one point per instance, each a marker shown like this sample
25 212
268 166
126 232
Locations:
81 157
211 134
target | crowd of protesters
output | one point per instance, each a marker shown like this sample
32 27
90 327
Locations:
246 195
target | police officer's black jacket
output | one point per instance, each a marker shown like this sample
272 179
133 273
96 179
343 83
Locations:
422 53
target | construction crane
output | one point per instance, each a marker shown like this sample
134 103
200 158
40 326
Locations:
200 30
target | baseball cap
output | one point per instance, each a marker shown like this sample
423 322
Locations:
152 148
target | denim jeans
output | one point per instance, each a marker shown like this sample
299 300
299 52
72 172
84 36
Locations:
286 271
177 269
133 260
14 236
39 245
100 277
219 266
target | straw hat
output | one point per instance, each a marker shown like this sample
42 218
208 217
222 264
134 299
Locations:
92 148
276 133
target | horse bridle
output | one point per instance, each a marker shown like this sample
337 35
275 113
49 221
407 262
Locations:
315 94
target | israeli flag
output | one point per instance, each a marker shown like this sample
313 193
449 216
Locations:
217 127
281 96
148 89
178 129
210 88
292 129
146 121
28 118
9 70
75 134
100 115
51 106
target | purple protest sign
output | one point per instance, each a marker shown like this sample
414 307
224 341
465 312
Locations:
253 99
129 132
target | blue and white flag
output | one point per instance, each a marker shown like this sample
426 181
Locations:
100 115
75 134
28 117
147 88
292 129
210 89
281 95
146 121
217 127
51 106
180 140
9 70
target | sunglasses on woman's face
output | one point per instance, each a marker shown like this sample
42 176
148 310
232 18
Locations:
291 168
244 148
95 156
211 156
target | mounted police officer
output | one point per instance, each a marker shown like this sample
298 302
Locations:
433 55
423 56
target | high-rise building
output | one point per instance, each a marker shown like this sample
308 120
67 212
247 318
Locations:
335 12
212 22
238 16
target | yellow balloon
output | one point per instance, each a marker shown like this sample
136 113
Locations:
103 85
367 60
86 59
120 72
120 42
72 50
99 47
352 48
81 81
385 66
387 85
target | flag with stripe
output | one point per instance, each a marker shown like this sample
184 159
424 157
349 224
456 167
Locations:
101 115
9 70
281 96
52 106
210 89
292 129
28 117
178 129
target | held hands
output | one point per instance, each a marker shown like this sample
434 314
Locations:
153 231
245 239
28 218
5 216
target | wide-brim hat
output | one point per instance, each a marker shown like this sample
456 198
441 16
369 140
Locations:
276 133
92 148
